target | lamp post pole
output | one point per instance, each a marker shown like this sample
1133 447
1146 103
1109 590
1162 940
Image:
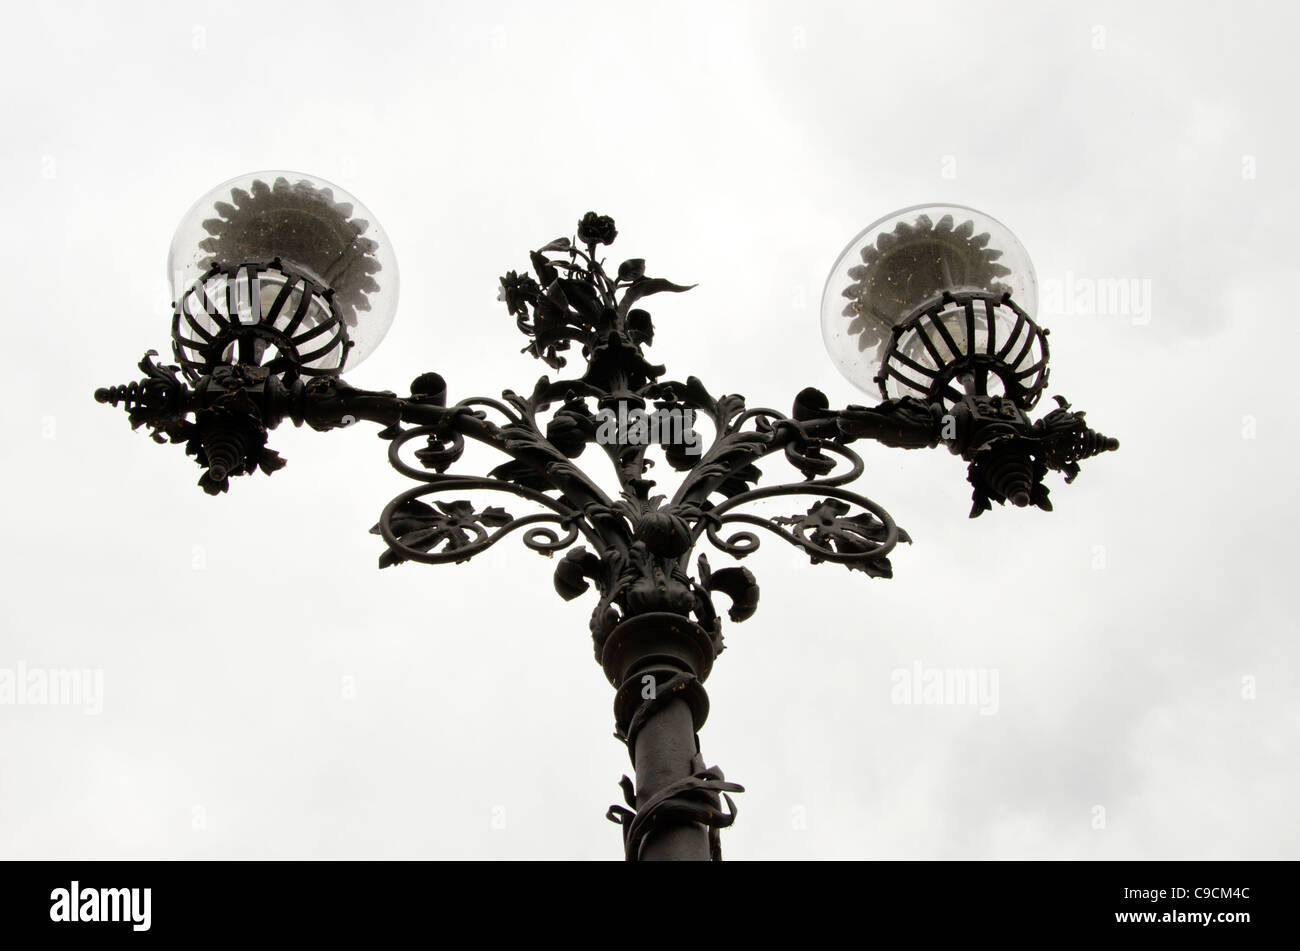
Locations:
244 369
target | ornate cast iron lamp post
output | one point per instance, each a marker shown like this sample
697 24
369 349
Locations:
282 284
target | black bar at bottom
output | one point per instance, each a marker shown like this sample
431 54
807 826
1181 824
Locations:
1225 902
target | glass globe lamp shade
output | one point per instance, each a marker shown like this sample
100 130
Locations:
907 261
280 269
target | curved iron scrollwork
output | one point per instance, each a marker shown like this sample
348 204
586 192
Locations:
640 542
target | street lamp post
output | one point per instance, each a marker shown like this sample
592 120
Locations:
281 285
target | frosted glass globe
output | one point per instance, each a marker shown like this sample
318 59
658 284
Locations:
320 235
903 261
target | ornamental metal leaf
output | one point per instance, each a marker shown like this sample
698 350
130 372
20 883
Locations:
827 525
455 525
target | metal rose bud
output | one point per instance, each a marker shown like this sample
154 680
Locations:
664 534
596 229
631 269
570 430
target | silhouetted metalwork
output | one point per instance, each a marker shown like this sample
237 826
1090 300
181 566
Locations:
655 628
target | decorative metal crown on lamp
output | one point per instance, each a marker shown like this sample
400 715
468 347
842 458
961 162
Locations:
281 270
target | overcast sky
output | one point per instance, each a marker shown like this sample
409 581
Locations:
267 692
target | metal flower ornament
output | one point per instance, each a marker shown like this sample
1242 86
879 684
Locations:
281 288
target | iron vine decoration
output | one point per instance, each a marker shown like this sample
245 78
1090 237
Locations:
634 548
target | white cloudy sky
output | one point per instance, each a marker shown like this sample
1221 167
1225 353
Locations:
739 145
